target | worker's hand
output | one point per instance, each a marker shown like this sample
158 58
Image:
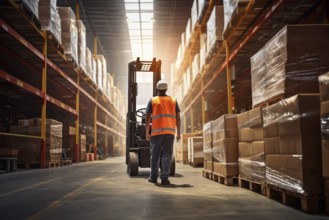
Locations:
177 137
148 137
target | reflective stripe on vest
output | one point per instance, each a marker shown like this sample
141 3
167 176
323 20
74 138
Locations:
163 115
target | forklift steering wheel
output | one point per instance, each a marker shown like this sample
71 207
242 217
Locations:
141 112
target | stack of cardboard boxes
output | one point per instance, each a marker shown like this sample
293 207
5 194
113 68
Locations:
181 147
215 26
225 145
29 148
69 32
251 145
49 18
324 98
294 162
195 151
207 147
290 63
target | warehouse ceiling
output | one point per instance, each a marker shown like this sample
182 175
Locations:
107 20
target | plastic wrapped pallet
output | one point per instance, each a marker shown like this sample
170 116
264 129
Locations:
201 5
101 72
94 69
207 141
195 151
225 145
230 7
29 148
88 62
81 44
215 26
49 18
69 32
297 165
251 145
32 5
290 63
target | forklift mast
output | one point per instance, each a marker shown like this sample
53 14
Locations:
154 67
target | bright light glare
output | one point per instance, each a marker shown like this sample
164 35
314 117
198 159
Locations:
140 19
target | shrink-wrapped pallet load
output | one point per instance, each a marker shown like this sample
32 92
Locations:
49 18
33 6
81 44
215 25
225 145
251 145
69 32
294 163
290 63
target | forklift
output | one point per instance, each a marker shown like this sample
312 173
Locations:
137 147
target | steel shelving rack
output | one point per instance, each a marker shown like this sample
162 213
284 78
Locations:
39 80
215 91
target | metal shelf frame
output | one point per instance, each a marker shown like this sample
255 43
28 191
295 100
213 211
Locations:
66 78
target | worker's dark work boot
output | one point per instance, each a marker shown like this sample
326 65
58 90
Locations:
165 182
152 181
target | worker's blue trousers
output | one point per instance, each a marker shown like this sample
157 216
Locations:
161 144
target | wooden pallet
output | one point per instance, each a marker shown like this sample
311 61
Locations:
312 204
226 180
207 174
252 185
271 101
196 163
49 164
66 162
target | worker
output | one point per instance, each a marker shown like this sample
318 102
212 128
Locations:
165 113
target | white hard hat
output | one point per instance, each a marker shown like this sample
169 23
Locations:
162 85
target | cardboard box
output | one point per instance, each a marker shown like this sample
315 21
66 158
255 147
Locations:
325 158
244 149
257 134
257 151
253 170
255 117
243 120
209 165
271 130
245 135
272 145
195 148
309 123
225 127
226 150
300 144
226 169
294 173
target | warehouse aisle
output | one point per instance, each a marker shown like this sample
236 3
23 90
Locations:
103 190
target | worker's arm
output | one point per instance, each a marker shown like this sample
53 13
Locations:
147 126
178 122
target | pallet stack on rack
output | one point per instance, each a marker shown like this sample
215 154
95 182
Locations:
324 109
295 168
68 83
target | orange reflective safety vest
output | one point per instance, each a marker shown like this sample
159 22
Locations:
163 115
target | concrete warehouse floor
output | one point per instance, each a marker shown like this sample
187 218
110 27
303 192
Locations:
103 190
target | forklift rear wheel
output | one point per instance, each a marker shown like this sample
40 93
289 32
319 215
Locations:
172 166
133 164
